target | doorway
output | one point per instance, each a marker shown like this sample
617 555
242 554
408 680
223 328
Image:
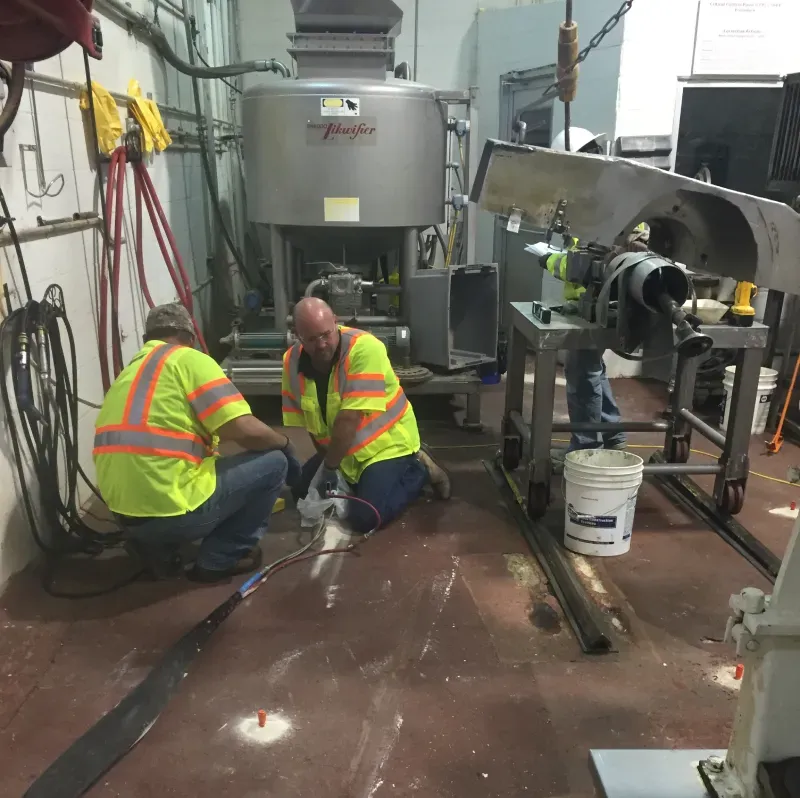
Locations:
521 278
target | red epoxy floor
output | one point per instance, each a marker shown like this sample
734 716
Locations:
435 664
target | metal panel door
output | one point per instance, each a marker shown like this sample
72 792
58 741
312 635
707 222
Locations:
521 278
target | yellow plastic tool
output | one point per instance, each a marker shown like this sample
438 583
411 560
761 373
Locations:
280 505
106 115
742 309
154 134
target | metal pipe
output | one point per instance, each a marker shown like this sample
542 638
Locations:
279 278
140 24
237 373
50 231
52 81
383 288
314 285
659 469
409 257
622 426
374 321
716 437
442 240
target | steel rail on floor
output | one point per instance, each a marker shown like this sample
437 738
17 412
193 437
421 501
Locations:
591 626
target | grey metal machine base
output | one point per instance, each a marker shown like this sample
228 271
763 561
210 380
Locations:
655 774
263 378
531 442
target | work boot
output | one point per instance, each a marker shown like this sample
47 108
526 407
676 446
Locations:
439 480
208 576
158 563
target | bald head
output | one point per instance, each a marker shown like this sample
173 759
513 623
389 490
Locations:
315 325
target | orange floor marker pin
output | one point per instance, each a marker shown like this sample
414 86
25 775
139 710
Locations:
739 672
262 718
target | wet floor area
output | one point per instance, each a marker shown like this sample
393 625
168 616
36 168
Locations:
436 662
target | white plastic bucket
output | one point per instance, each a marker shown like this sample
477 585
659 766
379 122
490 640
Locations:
601 486
767 383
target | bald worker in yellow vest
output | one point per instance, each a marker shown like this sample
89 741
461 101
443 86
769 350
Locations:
339 385
155 450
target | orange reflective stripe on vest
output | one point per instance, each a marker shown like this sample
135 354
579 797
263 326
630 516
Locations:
135 436
209 398
137 408
374 425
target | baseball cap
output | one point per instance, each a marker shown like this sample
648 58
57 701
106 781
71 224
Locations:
169 317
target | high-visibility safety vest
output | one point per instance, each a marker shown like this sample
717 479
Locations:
362 379
155 442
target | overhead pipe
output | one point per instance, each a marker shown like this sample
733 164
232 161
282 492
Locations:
51 230
139 23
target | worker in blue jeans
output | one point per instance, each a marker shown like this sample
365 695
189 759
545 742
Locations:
339 385
589 395
389 486
230 522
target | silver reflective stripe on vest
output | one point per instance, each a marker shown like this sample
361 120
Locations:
347 341
380 423
159 443
362 386
206 400
294 374
143 380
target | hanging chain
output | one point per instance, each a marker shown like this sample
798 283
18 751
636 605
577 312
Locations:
594 43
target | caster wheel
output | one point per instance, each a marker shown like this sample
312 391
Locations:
680 452
512 453
732 499
538 499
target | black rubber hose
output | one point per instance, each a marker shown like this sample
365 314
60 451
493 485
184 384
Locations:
16 86
205 158
17 248
151 31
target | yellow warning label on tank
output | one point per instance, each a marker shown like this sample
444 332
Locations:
340 106
342 209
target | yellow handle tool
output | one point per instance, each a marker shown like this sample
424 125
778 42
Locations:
742 310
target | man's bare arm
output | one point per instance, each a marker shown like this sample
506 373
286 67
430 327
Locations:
252 434
342 436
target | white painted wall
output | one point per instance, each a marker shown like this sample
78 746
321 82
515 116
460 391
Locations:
71 260
657 49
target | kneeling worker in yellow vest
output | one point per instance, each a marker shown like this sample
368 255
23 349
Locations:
338 383
157 467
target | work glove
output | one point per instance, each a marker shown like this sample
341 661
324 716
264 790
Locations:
294 470
329 479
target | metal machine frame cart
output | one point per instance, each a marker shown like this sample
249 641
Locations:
531 442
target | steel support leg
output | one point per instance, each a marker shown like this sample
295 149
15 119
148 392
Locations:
679 439
730 484
472 420
540 468
515 388
279 285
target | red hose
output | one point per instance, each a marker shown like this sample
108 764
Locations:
189 298
181 282
144 190
116 343
102 324
139 253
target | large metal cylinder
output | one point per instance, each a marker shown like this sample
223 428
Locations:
348 178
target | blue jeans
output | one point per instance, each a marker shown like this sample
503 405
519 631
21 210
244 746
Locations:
231 522
589 399
389 486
